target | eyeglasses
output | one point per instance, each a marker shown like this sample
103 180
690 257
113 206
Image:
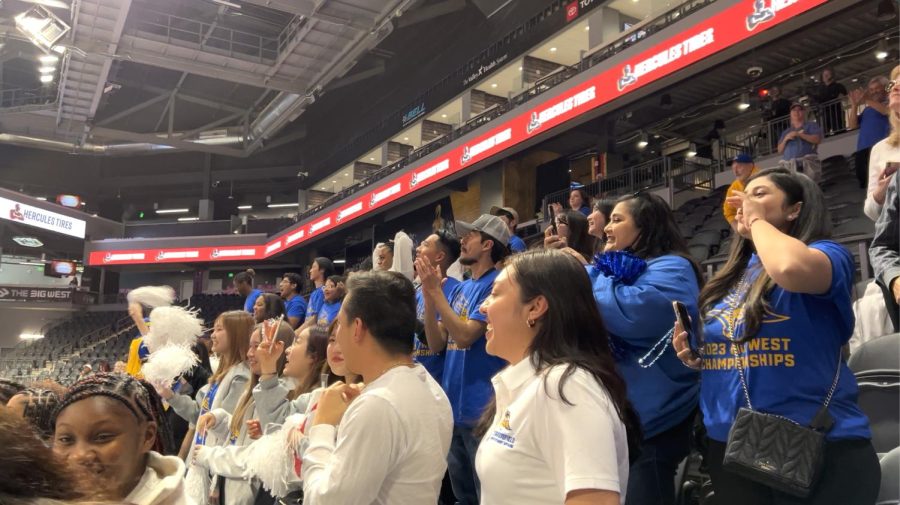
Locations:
890 86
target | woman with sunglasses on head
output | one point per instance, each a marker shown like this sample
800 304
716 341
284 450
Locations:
225 461
560 428
644 268
571 235
884 159
110 425
775 318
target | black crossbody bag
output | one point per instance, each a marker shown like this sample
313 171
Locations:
775 451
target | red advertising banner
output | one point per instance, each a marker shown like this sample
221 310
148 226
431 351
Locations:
709 36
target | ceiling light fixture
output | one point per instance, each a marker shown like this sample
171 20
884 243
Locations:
244 207
41 198
31 336
692 150
881 50
172 211
46 78
493 84
552 49
642 141
28 241
744 102
227 3
48 59
43 28
185 219
444 116
47 70
283 205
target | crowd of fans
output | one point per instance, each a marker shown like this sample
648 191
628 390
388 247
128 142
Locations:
470 369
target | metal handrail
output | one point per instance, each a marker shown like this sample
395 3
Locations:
19 97
208 36
762 139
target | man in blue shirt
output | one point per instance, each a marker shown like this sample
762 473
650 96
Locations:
467 366
294 304
801 138
243 284
873 123
441 249
511 218
320 270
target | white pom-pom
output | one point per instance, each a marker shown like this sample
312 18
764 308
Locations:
152 296
196 485
172 325
271 458
167 363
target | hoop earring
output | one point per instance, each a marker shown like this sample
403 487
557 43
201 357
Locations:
530 323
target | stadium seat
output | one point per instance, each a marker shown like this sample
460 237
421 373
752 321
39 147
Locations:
876 365
889 493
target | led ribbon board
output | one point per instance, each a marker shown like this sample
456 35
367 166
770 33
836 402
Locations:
709 36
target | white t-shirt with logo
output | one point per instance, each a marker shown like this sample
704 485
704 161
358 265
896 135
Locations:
540 448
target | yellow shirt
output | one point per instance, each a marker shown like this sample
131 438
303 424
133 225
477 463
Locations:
133 367
727 209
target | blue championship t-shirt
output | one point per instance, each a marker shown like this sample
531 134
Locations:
328 313
432 361
295 307
468 372
790 364
316 299
251 300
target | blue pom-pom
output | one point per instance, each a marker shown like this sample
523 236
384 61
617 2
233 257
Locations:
621 266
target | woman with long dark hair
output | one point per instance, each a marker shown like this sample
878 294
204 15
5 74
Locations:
645 267
775 318
571 236
560 425
598 219
267 306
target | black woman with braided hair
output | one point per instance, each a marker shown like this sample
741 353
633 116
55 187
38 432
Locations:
110 425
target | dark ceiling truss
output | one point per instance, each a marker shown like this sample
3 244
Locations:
203 45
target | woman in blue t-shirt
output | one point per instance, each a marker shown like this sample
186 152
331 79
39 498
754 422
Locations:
334 295
780 308
645 266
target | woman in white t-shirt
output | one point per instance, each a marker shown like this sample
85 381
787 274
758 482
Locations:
885 155
560 429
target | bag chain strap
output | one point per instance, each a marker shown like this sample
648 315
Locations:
735 348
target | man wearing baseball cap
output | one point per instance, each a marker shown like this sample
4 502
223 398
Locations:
454 323
511 218
743 168
802 138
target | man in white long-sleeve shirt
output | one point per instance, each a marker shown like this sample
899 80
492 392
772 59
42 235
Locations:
386 443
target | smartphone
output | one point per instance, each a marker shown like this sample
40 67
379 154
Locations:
553 220
684 319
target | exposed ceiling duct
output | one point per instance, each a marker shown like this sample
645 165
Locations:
111 149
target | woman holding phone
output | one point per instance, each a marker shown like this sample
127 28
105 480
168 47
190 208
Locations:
644 268
775 318
884 159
